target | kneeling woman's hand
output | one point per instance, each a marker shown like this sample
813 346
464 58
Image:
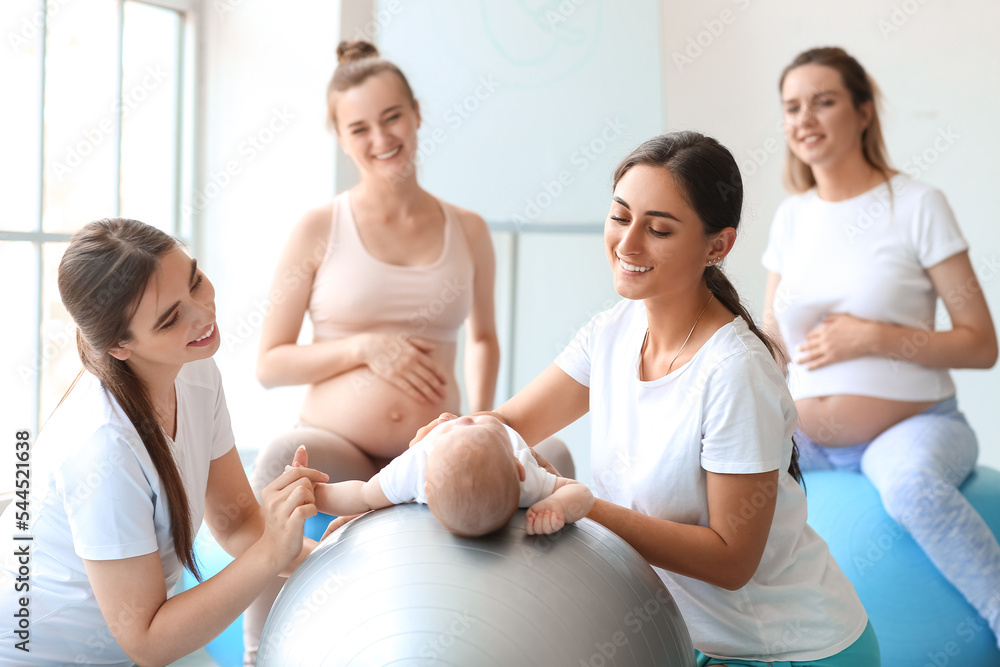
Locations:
424 430
287 502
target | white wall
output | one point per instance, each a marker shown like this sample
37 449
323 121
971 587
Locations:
527 108
937 64
267 159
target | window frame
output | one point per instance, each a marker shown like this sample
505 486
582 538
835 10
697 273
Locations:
188 114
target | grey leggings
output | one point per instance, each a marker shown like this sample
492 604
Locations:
917 466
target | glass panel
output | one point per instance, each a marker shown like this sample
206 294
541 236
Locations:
21 71
18 339
187 129
150 122
59 360
81 114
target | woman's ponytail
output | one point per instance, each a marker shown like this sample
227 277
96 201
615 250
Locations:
102 276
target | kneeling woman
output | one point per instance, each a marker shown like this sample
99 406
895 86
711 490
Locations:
692 424
139 450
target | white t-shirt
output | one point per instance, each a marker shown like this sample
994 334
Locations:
725 411
861 257
96 495
403 478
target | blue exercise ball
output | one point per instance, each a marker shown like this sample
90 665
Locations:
919 617
395 587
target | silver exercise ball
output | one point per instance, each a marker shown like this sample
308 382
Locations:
395 588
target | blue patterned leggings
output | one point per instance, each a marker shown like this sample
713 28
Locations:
917 466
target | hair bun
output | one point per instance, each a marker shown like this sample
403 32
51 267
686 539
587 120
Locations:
359 49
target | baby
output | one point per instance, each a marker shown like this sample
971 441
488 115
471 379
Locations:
473 473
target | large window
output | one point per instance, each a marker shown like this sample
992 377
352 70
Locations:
97 117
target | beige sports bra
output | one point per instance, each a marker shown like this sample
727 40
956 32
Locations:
354 292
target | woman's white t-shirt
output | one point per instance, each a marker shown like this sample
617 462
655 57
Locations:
866 256
725 411
96 495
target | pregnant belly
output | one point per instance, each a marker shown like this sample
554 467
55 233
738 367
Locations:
844 420
373 414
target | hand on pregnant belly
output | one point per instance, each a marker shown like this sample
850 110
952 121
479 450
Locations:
839 337
406 363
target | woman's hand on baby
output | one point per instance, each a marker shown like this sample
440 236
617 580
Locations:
287 502
545 517
424 430
543 462
839 337
406 363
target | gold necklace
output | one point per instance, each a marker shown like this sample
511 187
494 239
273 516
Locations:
645 339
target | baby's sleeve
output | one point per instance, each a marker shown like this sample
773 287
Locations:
402 479
538 483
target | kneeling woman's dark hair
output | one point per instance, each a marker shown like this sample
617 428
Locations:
710 179
102 277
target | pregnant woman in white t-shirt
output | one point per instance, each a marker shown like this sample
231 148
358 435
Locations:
857 260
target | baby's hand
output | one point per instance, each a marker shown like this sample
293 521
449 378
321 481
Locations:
545 517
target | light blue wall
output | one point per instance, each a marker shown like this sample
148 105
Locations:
527 108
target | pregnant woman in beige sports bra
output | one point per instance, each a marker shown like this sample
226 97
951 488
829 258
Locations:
388 273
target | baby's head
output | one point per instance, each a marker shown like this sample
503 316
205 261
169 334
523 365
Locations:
473 477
